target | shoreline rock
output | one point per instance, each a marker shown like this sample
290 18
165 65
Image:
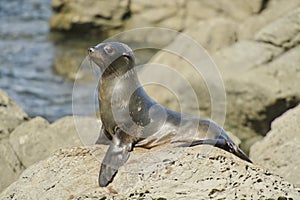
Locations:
11 116
176 170
261 78
165 172
279 151
25 141
256 46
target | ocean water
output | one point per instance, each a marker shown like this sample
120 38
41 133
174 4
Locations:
26 60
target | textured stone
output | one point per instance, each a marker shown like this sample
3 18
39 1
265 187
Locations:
243 95
165 14
273 10
37 139
11 115
245 55
265 92
261 80
279 150
177 14
236 9
31 141
213 34
284 32
70 15
172 173
10 165
177 84
67 63
205 9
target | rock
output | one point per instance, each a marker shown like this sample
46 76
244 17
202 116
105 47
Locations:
66 132
256 6
139 6
177 85
261 79
160 14
271 11
265 92
213 34
234 62
155 14
67 63
181 15
279 150
101 15
10 165
243 56
11 115
77 130
235 9
261 82
125 14
163 173
283 32
37 139
31 141
205 9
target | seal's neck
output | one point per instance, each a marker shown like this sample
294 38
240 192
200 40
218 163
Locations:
117 85
114 93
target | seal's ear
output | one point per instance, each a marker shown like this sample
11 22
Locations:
115 157
129 58
127 55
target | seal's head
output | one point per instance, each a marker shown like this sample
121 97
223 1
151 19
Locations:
112 57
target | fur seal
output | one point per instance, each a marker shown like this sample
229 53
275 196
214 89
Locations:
131 118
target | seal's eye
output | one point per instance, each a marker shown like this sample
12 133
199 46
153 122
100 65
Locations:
91 50
108 49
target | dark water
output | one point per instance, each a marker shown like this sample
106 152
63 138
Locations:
28 51
26 60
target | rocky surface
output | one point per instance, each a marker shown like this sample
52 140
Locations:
11 115
124 14
247 17
165 173
267 78
261 78
101 14
37 139
270 11
25 141
279 151
214 34
254 44
10 165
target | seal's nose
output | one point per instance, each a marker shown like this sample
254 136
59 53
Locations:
91 50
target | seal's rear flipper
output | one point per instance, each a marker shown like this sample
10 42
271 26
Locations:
221 142
115 157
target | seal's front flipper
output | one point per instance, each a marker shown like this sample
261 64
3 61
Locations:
103 139
115 157
223 143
